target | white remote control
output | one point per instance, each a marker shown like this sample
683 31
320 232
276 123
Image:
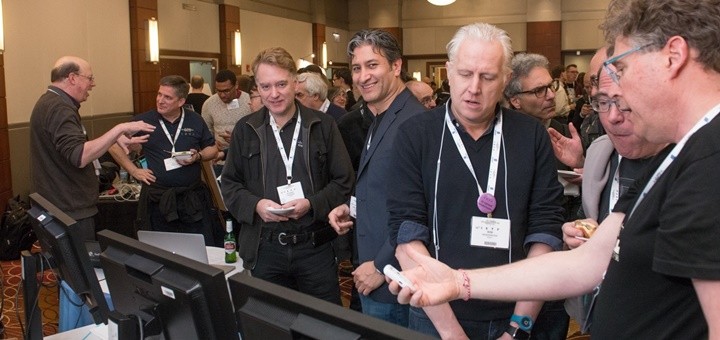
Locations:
395 275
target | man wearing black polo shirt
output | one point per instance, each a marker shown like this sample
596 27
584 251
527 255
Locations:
173 197
285 169
476 186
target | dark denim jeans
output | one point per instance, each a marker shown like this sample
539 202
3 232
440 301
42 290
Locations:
491 329
301 267
552 322
390 312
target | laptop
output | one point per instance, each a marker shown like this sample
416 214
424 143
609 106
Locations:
188 245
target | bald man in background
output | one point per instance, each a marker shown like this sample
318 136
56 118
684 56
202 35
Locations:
63 161
423 92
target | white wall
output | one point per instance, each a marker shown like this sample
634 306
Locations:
185 30
337 51
37 33
261 31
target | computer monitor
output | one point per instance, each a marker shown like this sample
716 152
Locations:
65 249
168 294
268 311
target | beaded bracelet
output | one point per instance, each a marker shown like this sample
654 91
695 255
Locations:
466 284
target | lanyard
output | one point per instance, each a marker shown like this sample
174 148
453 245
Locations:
494 156
615 187
288 161
670 158
174 139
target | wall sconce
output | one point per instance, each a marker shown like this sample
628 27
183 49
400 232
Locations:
324 55
336 36
152 50
441 2
417 75
2 31
237 48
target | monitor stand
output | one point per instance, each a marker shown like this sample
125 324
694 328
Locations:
33 316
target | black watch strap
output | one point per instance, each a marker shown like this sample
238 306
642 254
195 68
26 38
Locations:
517 333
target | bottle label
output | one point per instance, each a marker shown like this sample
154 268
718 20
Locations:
229 247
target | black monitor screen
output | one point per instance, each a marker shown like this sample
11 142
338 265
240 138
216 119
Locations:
269 311
169 294
65 249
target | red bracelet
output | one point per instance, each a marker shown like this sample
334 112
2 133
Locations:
466 284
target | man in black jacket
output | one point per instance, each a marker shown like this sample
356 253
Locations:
282 198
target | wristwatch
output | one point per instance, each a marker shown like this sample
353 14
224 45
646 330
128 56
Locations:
517 333
522 331
524 322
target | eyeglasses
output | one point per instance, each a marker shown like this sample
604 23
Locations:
540 91
595 80
615 75
91 78
427 100
225 91
603 104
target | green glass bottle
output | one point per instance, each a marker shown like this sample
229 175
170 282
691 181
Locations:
230 244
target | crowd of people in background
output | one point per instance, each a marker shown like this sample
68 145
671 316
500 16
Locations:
492 170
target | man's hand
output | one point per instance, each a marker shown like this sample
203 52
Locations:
143 175
265 215
220 156
571 233
339 219
131 128
131 143
194 158
301 205
226 135
367 278
568 150
576 180
434 281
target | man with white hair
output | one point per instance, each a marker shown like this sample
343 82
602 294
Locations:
656 254
475 185
311 91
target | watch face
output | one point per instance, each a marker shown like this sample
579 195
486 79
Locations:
524 322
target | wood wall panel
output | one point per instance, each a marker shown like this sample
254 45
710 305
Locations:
143 72
545 38
5 172
318 37
229 23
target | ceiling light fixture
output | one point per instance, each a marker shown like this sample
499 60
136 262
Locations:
441 2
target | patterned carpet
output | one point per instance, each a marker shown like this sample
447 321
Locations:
13 311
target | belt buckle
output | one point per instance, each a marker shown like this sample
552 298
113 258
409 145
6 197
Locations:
280 236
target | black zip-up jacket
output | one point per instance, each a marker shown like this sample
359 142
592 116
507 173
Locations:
243 178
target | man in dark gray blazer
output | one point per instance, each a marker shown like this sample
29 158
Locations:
376 62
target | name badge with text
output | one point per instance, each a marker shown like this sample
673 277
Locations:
234 104
490 232
171 164
290 192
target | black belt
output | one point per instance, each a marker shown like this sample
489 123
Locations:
289 238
